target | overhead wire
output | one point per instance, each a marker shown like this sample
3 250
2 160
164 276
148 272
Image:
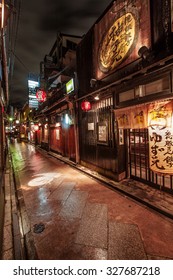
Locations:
21 62
14 27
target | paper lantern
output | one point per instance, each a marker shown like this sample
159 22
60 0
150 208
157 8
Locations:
41 95
85 106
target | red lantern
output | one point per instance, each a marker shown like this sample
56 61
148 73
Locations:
85 105
41 95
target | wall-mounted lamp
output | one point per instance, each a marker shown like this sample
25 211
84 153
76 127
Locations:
93 82
144 52
58 124
97 97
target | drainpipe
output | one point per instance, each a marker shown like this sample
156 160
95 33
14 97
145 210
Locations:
5 68
4 17
76 132
76 121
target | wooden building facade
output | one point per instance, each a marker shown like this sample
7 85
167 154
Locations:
126 61
56 116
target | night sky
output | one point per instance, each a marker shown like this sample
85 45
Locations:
39 22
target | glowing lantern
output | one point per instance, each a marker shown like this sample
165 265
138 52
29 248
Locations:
85 106
41 95
36 127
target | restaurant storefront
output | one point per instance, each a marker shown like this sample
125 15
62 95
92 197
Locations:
128 58
98 149
62 133
145 132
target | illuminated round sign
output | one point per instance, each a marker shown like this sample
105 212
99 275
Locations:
41 95
117 42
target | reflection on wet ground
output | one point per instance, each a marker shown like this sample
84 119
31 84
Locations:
73 216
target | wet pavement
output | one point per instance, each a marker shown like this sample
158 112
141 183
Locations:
67 214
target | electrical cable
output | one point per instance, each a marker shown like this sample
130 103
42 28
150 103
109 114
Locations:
21 62
13 43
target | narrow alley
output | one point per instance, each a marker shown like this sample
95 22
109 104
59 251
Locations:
66 214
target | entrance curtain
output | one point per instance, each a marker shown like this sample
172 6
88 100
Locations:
134 117
158 113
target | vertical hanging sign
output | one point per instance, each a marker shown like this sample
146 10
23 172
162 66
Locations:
161 137
161 150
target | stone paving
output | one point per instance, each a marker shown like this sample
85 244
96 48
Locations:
151 197
12 239
66 214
